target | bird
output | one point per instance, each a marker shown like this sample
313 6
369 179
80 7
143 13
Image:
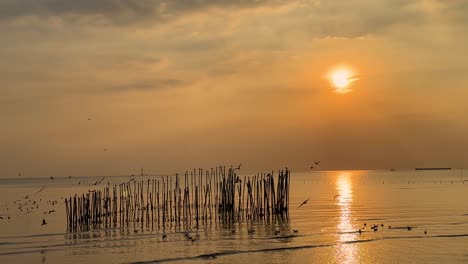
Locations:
238 167
277 232
336 196
311 167
40 190
44 222
19 174
233 231
425 232
359 231
409 228
51 211
295 231
51 177
99 181
69 177
317 162
304 202
164 236
251 231
1 217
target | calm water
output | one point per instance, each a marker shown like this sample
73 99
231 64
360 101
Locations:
340 204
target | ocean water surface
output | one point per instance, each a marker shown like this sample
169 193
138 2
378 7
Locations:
432 204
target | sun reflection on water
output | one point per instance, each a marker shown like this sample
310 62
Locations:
345 227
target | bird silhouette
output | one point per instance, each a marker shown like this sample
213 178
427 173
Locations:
40 190
311 167
99 181
164 236
238 167
44 222
304 202
336 196
317 162
295 231
51 177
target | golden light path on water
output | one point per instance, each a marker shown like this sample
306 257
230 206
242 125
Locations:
347 252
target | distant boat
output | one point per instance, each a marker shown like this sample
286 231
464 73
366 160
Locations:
433 168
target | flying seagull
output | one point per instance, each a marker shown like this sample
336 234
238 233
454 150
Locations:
40 190
99 181
317 162
238 167
304 202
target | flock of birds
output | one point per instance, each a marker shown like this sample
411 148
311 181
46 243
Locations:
32 203
375 228
196 237
28 204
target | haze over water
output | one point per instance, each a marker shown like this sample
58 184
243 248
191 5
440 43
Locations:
341 202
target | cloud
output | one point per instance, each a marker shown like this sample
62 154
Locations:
118 11
146 85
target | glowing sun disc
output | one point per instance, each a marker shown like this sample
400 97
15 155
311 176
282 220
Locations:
341 79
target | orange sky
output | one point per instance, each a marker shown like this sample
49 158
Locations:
172 85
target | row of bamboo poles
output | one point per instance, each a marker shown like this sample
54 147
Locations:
199 197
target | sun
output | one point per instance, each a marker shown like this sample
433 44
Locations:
341 79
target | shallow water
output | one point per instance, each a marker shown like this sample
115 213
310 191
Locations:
341 202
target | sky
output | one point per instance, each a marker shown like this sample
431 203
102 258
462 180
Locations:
107 87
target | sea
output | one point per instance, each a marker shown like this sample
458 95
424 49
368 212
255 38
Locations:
385 216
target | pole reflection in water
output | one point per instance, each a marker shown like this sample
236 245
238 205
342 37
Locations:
347 252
